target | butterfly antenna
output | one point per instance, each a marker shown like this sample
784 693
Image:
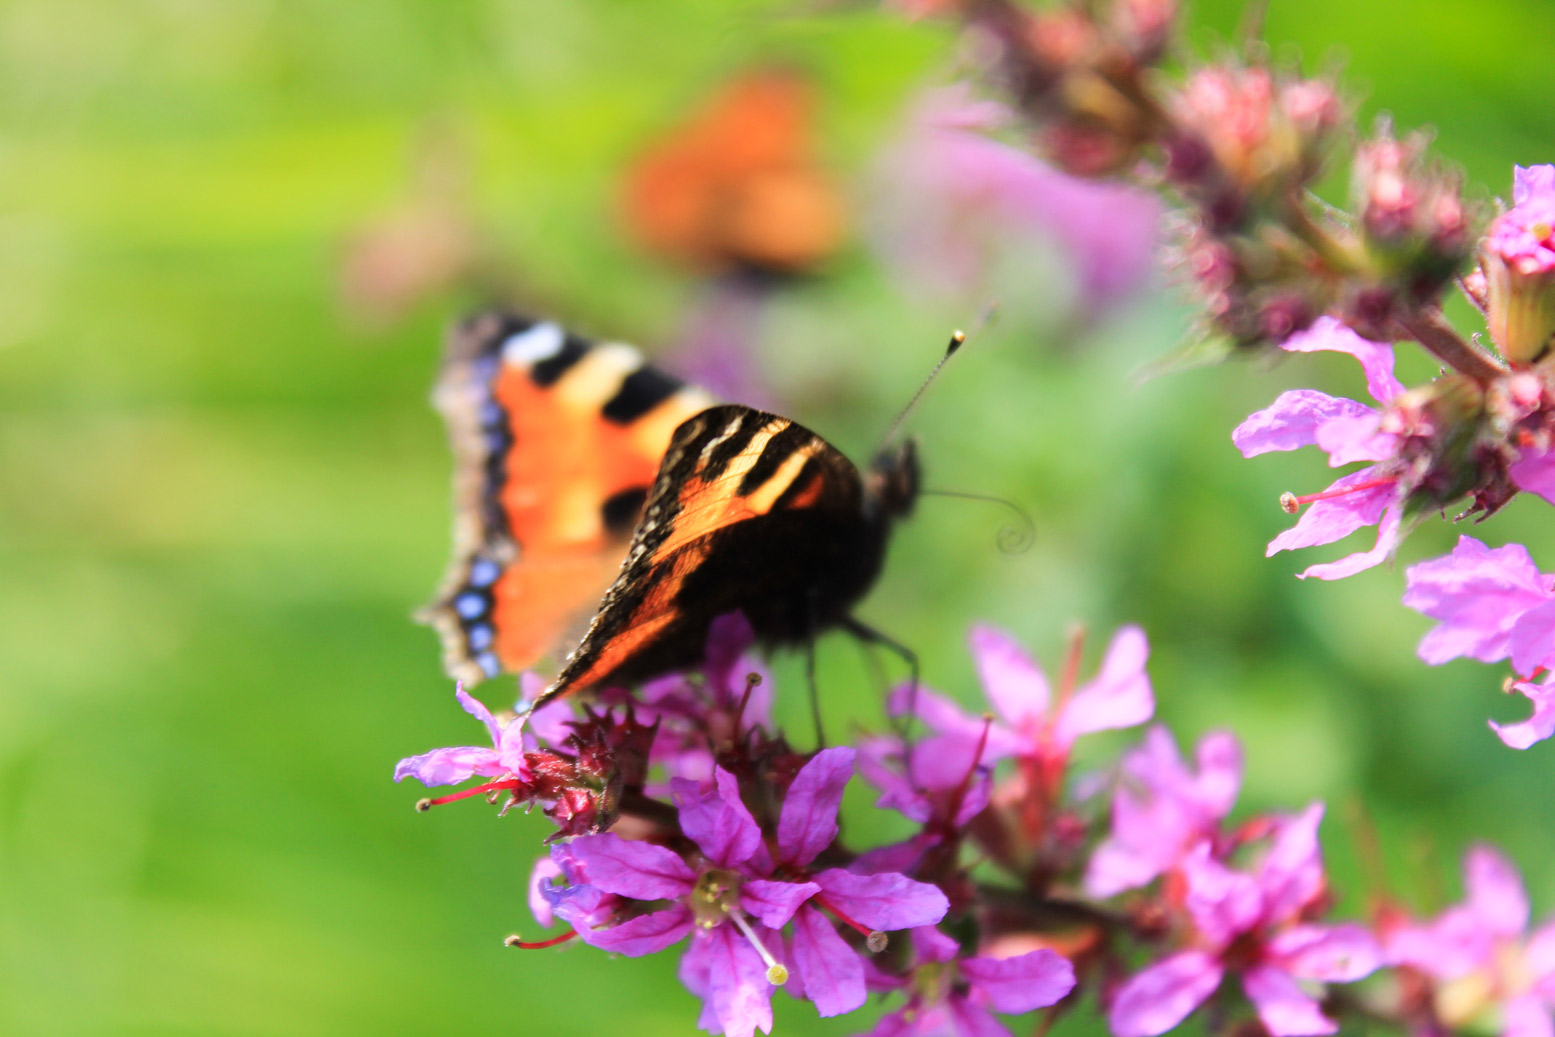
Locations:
957 339
1012 539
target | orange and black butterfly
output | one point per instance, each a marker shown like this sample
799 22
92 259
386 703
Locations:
608 513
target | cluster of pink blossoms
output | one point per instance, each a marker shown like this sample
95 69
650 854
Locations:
1236 146
688 825
1450 440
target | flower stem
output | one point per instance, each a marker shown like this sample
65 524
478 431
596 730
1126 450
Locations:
1441 340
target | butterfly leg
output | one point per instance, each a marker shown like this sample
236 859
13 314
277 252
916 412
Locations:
815 695
870 636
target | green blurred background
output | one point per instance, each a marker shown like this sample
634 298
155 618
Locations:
221 494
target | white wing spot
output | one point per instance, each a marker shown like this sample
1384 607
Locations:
540 342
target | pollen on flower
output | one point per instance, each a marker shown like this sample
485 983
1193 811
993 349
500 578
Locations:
1289 504
876 941
777 975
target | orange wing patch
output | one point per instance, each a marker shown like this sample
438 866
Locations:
552 467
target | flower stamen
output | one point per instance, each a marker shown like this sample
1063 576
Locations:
501 784
1290 503
777 973
517 941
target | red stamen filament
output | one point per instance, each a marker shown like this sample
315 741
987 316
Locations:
1289 502
514 941
971 772
491 786
752 680
836 912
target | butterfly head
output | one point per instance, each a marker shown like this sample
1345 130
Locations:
893 479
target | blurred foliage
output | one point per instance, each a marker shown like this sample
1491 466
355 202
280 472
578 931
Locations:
220 498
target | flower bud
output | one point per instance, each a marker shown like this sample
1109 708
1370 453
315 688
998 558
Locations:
1517 259
1250 133
1415 226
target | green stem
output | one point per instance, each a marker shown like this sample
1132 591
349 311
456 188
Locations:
1441 340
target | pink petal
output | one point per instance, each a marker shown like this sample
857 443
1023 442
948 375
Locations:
540 878
631 868
1539 956
774 903
1532 184
1533 640
886 902
735 978
717 821
954 726
931 945
1291 874
1224 903
1494 891
1477 595
808 822
1293 421
1387 540
905 1022
970 1020
1015 684
1376 358
1120 696
1023 983
449 766
1328 520
1356 437
832 972
1283 1007
477 709
1526 1016
511 747
552 722
1456 943
1163 995
1536 474
1336 953
645 934
1116 866
1537 727
1220 772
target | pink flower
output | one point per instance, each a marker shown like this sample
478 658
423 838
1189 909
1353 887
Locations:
1491 604
1347 431
730 904
951 995
1162 810
1253 925
1481 954
453 765
955 203
700 714
1517 259
1032 723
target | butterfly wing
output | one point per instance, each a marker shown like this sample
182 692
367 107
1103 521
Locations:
749 511
556 442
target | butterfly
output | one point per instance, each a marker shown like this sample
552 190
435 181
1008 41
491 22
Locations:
606 507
